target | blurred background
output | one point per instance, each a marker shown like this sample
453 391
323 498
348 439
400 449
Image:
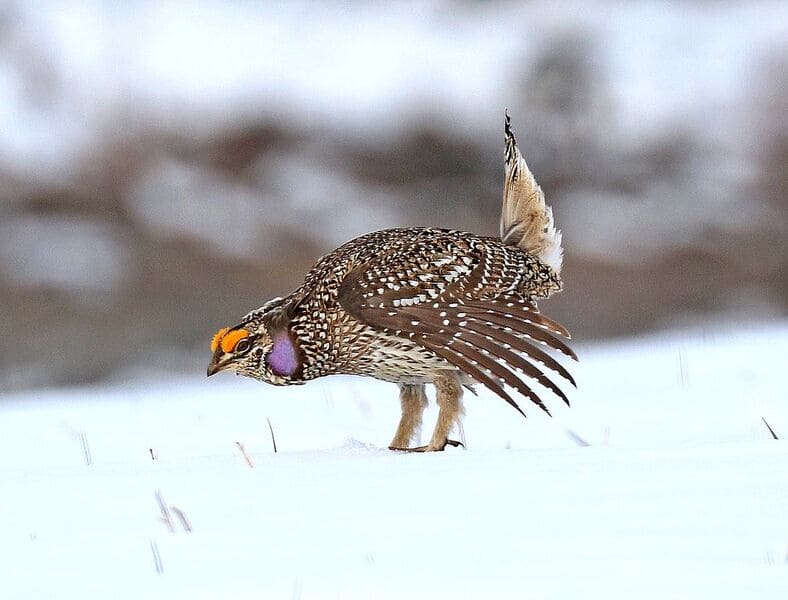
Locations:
167 166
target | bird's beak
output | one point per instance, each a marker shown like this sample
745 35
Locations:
215 366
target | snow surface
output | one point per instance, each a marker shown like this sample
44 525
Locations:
680 493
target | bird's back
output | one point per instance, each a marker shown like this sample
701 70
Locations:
404 268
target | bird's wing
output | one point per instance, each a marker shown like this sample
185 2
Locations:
455 305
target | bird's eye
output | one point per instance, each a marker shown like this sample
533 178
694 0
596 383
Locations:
242 345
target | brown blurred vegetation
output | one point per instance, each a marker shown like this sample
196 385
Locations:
262 198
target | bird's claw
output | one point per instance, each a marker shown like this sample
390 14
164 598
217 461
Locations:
429 447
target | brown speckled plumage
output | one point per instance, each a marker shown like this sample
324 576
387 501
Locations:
421 305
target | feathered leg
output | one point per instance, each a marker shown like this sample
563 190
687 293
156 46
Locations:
449 392
413 399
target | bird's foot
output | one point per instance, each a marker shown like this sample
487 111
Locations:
430 447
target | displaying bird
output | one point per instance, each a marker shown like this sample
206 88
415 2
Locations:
418 306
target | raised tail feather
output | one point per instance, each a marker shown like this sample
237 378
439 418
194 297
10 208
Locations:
526 221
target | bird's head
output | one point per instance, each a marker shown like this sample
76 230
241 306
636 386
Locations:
238 350
257 348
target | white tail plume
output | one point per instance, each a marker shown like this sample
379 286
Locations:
526 221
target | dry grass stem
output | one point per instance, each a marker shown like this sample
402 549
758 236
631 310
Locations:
246 456
271 429
187 526
166 517
769 427
577 439
85 448
154 548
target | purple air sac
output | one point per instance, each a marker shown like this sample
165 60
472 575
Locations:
283 358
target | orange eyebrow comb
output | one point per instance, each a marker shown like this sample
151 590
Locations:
227 339
218 338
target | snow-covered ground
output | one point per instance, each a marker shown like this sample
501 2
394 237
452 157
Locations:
661 482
